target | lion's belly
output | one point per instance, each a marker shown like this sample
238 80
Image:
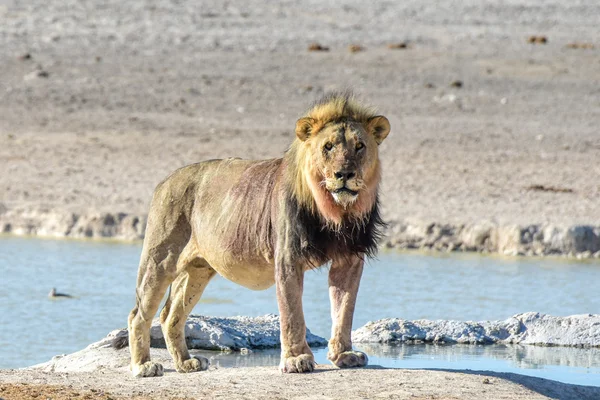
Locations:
253 274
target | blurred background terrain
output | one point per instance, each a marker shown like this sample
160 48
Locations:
494 108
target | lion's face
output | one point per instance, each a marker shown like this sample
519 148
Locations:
344 158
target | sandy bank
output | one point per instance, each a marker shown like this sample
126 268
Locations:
325 383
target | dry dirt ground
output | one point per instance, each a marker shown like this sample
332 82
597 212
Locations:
101 100
268 383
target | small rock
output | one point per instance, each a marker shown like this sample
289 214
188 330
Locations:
317 47
534 39
486 381
577 45
399 45
584 255
355 48
429 86
24 57
305 89
36 74
456 84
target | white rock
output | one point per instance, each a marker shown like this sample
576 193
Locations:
239 334
528 328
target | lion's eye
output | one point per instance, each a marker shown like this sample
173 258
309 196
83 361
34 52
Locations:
359 145
328 146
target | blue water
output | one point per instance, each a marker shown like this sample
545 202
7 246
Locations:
102 276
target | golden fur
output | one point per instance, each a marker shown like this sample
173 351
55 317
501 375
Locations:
308 173
257 223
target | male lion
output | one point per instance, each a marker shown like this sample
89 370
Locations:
259 223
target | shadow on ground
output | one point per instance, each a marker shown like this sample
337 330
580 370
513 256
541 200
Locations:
545 387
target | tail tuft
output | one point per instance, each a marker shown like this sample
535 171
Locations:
120 341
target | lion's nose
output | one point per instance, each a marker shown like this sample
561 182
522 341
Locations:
345 175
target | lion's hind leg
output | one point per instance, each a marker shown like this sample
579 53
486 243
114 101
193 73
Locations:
185 293
167 234
152 285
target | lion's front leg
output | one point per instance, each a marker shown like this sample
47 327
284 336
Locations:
296 356
344 279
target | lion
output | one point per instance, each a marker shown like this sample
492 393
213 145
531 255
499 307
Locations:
259 223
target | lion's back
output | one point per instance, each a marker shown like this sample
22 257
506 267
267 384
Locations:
227 202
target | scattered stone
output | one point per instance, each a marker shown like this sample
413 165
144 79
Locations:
399 45
527 328
577 45
478 236
429 85
355 48
456 84
38 73
486 381
25 57
537 39
317 47
553 189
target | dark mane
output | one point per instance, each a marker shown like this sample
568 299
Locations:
316 242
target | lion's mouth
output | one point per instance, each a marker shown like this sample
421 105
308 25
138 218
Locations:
344 189
344 196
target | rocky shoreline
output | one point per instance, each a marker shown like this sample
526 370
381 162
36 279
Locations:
244 334
528 328
576 241
580 241
102 370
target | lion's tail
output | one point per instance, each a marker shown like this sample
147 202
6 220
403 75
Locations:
121 340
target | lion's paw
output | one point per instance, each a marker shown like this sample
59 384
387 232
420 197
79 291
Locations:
196 363
299 364
350 359
147 369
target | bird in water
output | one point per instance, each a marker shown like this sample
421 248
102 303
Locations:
54 294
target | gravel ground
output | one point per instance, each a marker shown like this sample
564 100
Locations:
268 383
116 95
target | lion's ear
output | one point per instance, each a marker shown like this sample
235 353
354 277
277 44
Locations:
379 126
304 128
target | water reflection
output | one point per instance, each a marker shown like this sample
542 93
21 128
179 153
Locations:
564 364
520 356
